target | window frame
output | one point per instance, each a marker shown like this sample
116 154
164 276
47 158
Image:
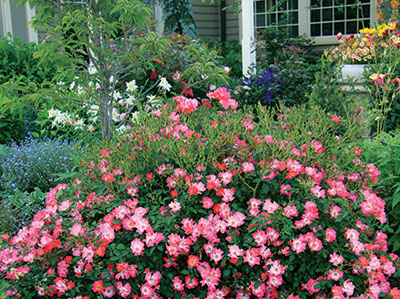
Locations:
304 22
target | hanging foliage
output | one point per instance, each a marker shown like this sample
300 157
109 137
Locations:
177 16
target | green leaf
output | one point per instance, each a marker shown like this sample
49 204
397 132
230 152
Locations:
185 272
121 246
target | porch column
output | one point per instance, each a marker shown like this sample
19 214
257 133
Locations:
247 33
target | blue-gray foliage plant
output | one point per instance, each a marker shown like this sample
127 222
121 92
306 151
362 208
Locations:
34 164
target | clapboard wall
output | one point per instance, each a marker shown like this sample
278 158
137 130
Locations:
208 20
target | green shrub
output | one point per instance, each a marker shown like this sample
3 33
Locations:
21 77
384 152
230 53
294 59
18 209
17 60
199 202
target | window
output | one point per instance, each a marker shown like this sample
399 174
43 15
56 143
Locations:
329 17
270 13
321 19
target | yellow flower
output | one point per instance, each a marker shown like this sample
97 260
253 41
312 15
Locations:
392 26
395 40
374 76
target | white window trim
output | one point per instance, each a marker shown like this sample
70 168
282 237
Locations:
304 24
6 17
32 33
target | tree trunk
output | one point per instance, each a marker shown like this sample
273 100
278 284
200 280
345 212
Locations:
106 117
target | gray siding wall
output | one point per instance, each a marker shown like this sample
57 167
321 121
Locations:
232 23
19 22
207 19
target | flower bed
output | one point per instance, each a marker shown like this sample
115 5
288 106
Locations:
198 202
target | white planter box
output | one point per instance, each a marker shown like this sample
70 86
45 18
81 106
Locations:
353 73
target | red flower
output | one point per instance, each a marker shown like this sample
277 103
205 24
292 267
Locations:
153 75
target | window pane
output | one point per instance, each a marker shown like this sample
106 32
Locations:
294 30
339 27
315 15
260 21
363 24
283 18
327 29
327 14
315 30
351 13
260 6
351 27
271 19
293 4
326 3
339 13
315 3
294 18
282 5
365 11
270 4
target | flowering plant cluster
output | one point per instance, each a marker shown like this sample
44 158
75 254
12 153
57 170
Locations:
384 7
368 46
197 202
35 163
266 85
379 49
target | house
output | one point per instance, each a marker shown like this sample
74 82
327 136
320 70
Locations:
14 19
320 19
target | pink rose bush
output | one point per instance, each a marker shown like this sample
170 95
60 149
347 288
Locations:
199 205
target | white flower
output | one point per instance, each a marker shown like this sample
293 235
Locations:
115 115
164 84
79 124
151 98
131 86
80 90
130 100
111 79
135 116
72 85
154 101
92 70
53 113
94 109
121 129
227 69
116 95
